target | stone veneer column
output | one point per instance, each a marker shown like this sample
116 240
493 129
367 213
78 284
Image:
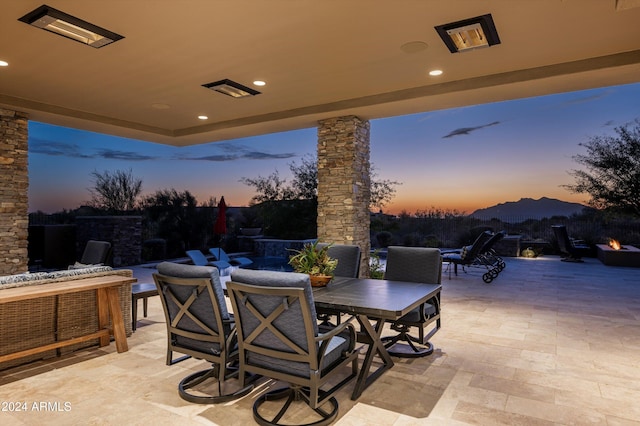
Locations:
344 184
14 185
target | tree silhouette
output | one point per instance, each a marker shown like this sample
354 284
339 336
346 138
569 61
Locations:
304 185
612 170
115 191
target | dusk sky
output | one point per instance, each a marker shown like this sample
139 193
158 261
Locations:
463 158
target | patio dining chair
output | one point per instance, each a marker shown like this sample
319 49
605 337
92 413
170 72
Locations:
279 338
419 265
348 257
199 326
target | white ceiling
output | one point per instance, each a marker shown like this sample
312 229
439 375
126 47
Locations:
320 59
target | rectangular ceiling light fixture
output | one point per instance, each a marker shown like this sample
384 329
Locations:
68 26
469 34
231 88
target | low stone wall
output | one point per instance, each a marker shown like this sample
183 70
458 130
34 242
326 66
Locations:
123 232
509 246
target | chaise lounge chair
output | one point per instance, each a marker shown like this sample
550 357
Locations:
220 255
478 254
96 253
199 259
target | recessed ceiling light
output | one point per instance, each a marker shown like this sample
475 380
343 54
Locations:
203 117
231 88
469 34
58 22
435 72
414 47
4 64
259 83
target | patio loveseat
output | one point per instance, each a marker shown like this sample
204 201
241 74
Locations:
33 323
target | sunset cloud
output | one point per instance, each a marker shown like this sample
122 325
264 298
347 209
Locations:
113 154
233 152
55 149
229 152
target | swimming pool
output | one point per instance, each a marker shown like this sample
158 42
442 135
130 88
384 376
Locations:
270 263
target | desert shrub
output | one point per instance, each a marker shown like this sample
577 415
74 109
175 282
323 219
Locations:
412 239
432 241
289 219
384 239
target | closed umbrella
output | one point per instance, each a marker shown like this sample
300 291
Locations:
220 226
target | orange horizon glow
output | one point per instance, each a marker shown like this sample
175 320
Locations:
464 202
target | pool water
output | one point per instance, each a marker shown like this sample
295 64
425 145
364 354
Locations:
270 263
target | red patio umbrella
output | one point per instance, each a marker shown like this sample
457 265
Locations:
220 226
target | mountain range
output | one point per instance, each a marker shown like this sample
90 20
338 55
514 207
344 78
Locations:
528 208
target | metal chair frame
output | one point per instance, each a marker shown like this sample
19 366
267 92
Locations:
203 335
349 257
258 311
427 315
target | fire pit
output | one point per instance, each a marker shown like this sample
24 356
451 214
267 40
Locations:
615 254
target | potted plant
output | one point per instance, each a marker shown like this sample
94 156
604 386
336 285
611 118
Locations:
315 261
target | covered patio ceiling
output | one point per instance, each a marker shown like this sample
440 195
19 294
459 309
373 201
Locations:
319 59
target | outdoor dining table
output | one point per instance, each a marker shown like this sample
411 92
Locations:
372 300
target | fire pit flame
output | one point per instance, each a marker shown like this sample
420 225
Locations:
614 244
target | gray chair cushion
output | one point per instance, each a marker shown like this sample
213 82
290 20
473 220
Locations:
277 279
290 320
337 346
96 252
348 259
181 270
414 264
414 315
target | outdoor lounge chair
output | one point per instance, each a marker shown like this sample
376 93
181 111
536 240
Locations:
199 326
220 255
279 338
95 253
570 249
419 265
199 259
489 258
473 256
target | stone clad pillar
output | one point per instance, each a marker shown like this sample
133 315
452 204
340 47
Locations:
344 184
14 185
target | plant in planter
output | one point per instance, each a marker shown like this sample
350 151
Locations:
315 261
376 270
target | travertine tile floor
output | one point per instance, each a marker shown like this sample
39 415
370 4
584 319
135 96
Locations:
547 343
